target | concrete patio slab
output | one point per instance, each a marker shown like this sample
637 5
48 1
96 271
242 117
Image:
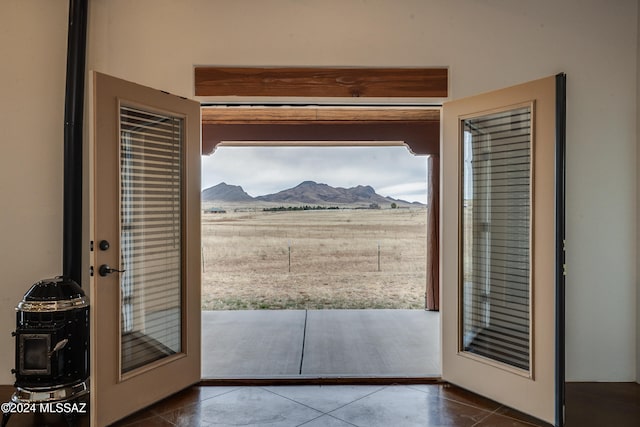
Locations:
252 343
320 343
372 343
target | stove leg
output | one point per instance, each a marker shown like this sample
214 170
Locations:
5 418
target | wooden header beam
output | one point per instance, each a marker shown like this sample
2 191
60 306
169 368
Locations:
322 82
299 115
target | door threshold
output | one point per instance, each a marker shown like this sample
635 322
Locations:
310 380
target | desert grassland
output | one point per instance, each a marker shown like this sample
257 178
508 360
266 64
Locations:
334 259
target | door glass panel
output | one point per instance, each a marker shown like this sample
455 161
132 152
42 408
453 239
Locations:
150 236
496 236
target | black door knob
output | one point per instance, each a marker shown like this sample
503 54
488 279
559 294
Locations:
103 245
105 270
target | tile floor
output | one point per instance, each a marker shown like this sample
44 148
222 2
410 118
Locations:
328 406
588 405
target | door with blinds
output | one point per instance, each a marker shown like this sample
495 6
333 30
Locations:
500 258
146 238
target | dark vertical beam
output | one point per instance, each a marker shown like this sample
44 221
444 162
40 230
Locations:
561 136
73 132
432 299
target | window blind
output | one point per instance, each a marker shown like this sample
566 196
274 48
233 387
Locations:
150 235
496 229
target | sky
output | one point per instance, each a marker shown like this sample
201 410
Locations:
391 171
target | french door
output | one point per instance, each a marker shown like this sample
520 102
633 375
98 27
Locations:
145 311
500 213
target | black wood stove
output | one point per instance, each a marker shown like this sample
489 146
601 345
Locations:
52 341
52 348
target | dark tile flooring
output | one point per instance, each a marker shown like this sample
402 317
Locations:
329 405
588 404
603 404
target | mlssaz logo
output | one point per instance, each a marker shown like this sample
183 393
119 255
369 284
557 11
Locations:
46 407
64 407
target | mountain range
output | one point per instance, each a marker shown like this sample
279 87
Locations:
307 192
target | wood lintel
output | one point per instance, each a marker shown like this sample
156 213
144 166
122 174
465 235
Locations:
322 82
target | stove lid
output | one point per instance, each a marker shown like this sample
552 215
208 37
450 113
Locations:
55 289
57 294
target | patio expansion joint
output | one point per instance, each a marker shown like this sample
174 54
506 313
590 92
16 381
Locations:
304 338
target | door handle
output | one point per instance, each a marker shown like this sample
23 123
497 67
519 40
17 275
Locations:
105 270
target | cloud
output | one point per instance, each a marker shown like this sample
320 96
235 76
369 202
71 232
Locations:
392 171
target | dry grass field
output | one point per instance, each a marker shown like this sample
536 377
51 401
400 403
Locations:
333 259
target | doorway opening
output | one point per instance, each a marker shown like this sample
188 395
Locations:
315 259
314 228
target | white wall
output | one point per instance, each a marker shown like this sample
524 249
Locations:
33 44
487 44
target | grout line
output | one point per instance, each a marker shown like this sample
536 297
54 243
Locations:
494 412
295 401
304 338
321 411
233 389
355 400
328 415
198 403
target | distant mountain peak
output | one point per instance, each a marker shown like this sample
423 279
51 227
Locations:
313 193
307 192
225 193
